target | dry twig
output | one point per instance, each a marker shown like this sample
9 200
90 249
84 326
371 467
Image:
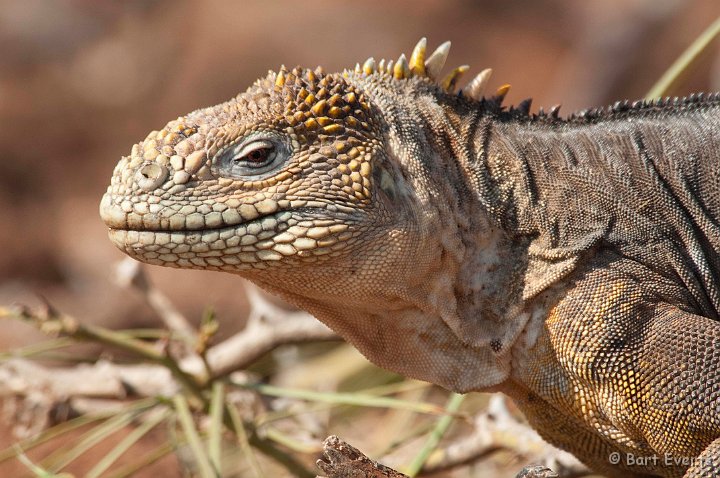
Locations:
341 460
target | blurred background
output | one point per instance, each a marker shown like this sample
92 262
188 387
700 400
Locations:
81 81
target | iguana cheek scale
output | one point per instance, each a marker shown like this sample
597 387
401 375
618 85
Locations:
571 263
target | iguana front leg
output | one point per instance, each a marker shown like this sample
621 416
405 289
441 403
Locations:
674 401
707 464
636 382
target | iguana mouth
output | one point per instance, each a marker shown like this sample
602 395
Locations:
121 214
279 220
266 238
222 227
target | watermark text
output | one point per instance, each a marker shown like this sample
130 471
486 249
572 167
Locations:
667 459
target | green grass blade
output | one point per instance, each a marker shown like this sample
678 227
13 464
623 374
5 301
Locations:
341 398
63 457
403 386
287 460
37 349
35 469
124 445
670 78
50 433
217 405
243 441
432 442
187 423
66 455
146 460
146 334
290 443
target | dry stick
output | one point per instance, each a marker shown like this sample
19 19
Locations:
70 327
341 460
231 355
129 272
256 340
670 78
497 429
267 328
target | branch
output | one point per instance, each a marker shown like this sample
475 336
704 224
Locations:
131 273
161 377
341 460
498 429
49 320
267 328
257 339
100 380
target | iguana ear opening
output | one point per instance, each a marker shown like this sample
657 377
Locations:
385 182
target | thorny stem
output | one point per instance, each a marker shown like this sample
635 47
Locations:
68 326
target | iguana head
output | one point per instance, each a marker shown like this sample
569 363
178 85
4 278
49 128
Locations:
277 177
313 185
295 172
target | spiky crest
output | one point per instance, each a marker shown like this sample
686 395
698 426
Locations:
429 67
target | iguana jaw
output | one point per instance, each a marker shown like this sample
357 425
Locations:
305 235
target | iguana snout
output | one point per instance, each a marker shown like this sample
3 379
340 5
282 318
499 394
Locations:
280 174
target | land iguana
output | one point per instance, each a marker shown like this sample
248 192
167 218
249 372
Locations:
571 263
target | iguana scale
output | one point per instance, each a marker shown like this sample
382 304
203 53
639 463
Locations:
571 263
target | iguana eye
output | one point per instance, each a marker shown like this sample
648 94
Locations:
256 154
252 159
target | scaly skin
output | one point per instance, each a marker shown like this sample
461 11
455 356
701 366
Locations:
568 263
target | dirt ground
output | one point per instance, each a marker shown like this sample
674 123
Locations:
82 80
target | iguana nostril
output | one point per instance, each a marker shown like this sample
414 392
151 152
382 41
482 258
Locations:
150 176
